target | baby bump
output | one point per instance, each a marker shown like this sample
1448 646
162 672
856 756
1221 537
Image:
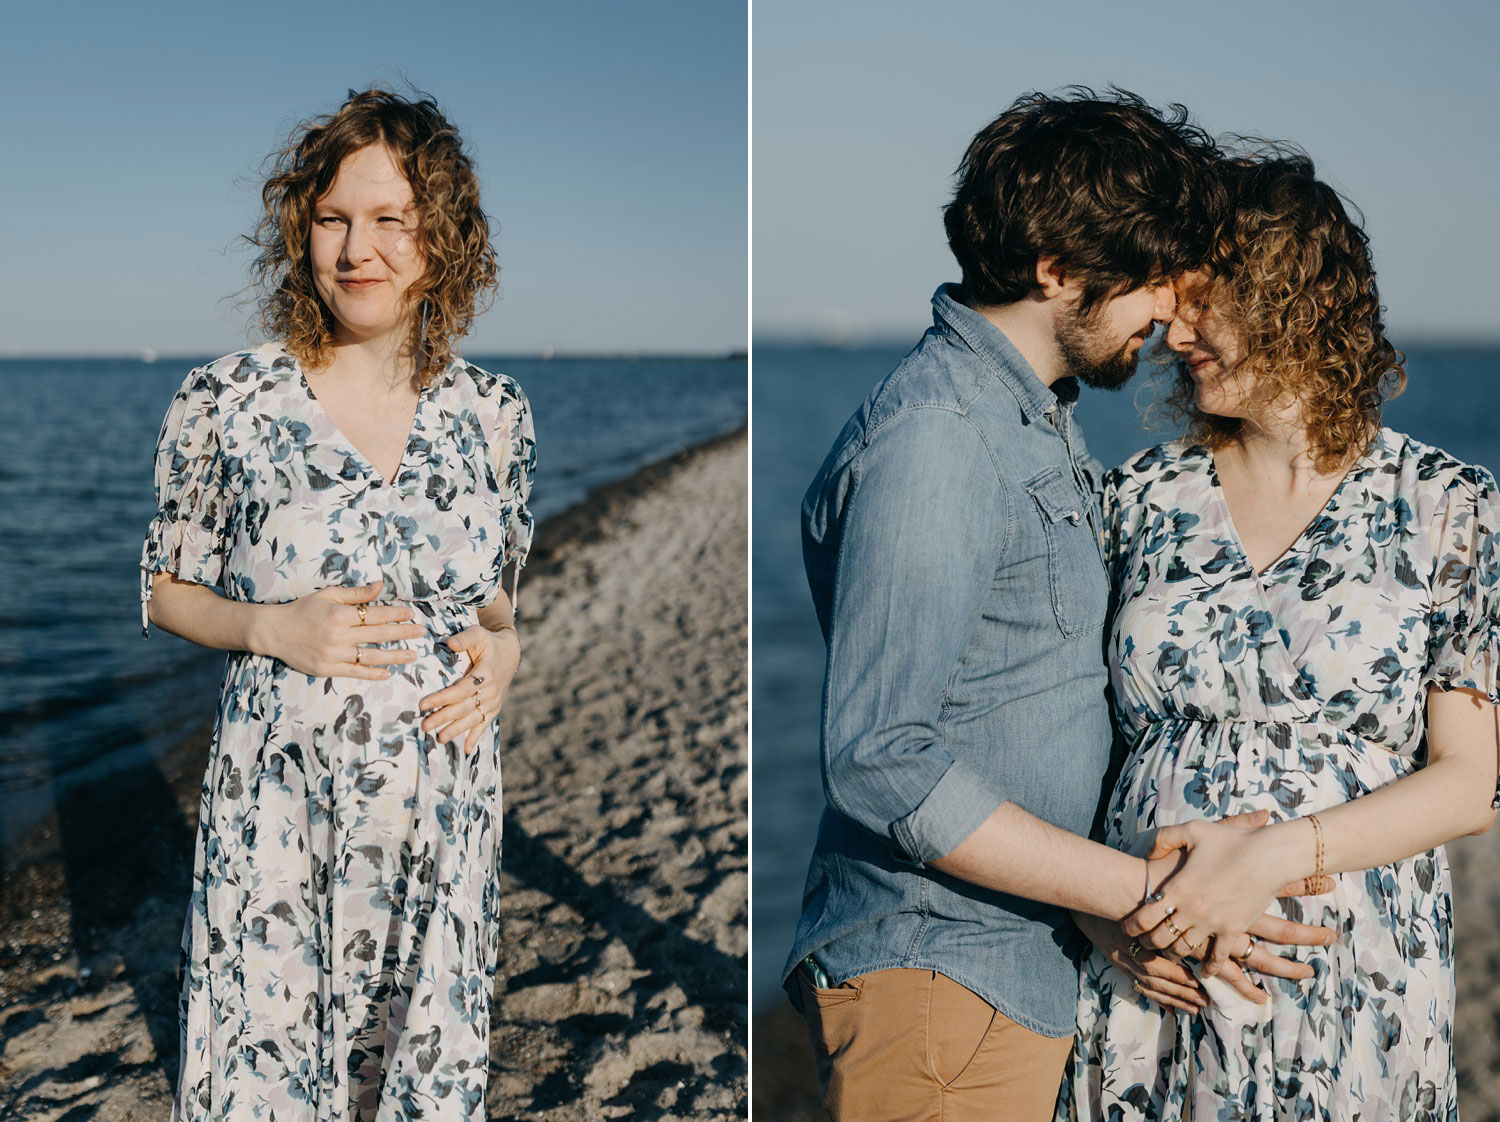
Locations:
1395 921
365 736
1184 770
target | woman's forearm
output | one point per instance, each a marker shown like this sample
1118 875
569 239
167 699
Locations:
1447 799
497 614
200 615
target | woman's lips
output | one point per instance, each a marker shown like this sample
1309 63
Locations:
360 285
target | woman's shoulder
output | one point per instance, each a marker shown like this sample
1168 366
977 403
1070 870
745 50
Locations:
501 388
1160 464
230 378
1426 470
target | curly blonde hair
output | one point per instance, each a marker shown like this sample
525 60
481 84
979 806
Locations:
1292 275
452 231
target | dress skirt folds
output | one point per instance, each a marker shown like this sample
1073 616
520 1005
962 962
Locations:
1291 690
340 947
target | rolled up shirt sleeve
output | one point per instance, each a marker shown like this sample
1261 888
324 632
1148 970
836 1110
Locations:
922 530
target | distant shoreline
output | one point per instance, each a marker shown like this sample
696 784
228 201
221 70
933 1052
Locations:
198 358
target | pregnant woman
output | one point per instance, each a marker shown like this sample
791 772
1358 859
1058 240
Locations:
1307 614
337 510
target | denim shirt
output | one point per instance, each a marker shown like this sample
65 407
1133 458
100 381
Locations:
951 546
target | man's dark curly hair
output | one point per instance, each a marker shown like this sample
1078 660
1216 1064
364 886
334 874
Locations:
452 231
1121 193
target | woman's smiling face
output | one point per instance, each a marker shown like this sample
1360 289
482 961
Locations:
1212 348
364 246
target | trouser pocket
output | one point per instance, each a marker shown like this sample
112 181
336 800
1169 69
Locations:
958 1020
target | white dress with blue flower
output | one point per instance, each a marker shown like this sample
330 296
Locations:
1291 690
340 947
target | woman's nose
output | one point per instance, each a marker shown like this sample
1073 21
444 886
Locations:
1180 334
356 245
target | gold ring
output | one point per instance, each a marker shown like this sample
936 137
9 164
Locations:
476 703
1242 959
1135 948
1138 987
356 654
1173 928
360 608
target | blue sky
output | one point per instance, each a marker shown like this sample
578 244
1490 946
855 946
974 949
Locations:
610 140
863 109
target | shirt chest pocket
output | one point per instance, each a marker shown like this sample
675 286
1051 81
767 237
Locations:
1075 573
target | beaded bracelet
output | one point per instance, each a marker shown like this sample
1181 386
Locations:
1318 836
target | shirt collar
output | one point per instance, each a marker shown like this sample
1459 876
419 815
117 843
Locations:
1038 401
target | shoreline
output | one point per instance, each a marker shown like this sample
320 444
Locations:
36 842
624 878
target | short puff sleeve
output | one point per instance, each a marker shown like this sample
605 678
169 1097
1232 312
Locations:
187 535
1463 644
517 468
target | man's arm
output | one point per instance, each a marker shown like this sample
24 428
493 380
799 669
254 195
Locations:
924 531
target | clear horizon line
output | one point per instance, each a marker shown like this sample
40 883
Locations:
532 354
854 339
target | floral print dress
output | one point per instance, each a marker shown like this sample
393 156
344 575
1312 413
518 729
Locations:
340 946
1292 690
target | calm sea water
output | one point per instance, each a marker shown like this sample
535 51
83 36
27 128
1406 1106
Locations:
80 692
801 398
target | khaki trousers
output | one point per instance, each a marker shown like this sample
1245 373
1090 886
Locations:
915 1046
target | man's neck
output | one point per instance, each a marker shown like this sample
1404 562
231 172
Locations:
1030 330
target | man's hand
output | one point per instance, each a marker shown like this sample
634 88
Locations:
1157 975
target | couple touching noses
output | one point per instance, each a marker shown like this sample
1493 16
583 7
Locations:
1298 610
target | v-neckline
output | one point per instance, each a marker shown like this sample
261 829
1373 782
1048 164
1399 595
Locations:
1294 546
349 446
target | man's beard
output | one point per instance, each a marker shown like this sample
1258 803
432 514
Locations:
1082 356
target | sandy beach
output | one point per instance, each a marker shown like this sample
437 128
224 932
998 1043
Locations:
624 951
785 1088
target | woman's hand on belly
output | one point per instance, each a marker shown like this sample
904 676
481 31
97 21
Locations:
1228 874
326 633
466 707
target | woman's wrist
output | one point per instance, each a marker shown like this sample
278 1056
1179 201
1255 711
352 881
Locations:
1292 849
260 628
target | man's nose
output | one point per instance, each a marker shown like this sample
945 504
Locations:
1166 303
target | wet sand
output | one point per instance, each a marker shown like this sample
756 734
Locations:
624 946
